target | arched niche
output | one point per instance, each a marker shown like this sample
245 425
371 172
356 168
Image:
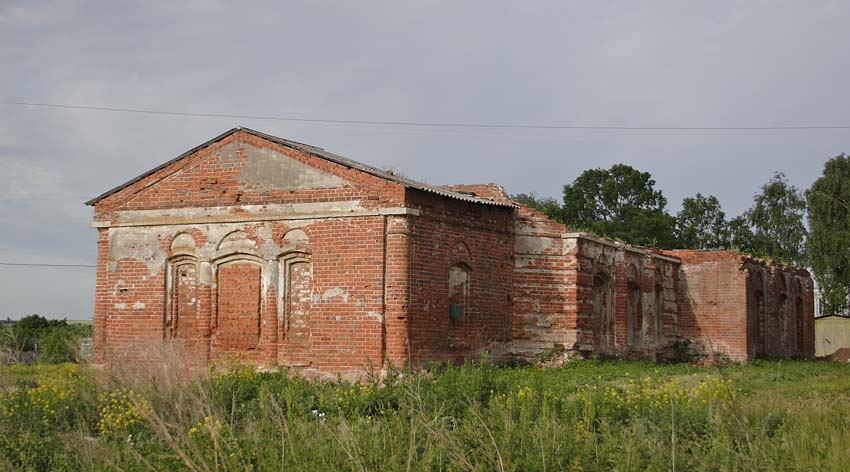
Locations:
602 310
182 244
295 237
634 307
460 254
659 301
295 292
799 316
237 242
460 291
761 320
182 299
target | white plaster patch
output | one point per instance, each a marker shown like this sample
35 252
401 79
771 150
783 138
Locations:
533 244
265 231
138 305
266 169
375 315
141 244
335 292
120 306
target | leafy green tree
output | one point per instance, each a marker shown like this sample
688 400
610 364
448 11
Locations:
701 224
55 340
741 234
547 205
773 227
829 241
622 203
29 330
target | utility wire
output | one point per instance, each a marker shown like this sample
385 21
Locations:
439 124
45 265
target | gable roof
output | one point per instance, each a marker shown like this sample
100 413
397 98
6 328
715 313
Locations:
318 152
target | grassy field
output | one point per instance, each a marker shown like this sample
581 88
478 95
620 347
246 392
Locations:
587 415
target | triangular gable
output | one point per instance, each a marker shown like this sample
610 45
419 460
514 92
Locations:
297 173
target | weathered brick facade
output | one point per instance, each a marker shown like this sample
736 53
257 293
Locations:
257 248
744 307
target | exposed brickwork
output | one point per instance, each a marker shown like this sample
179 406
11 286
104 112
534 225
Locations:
544 286
238 306
744 307
447 233
250 249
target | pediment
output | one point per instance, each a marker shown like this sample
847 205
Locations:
237 172
267 169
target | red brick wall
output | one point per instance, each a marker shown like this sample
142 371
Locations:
713 302
333 292
625 281
544 286
398 289
436 234
238 306
719 299
779 310
333 320
101 296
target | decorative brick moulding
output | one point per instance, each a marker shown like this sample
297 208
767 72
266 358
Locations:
251 247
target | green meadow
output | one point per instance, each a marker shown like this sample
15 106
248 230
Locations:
585 415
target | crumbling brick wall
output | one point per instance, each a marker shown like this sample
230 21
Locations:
743 307
712 303
460 302
578 292
780 310
626 300
544 286
251 248
200 256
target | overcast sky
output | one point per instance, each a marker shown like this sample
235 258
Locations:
712 63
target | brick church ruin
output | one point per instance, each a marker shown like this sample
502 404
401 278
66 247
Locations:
283 254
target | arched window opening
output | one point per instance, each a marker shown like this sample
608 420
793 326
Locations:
296 286
659 313
761 320
182 313
634 307
459 291
182 298
601 299
798 325
238 302
635 312
781 321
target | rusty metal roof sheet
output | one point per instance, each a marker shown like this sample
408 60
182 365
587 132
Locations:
319 152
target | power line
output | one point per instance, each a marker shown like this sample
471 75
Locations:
21 264
439 124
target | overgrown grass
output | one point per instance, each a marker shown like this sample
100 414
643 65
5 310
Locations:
586 415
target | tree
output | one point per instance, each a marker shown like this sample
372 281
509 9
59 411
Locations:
702 224
774 224
546 205
829 242
29 330
740 234
620 202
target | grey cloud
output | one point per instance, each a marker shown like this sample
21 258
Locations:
622 63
